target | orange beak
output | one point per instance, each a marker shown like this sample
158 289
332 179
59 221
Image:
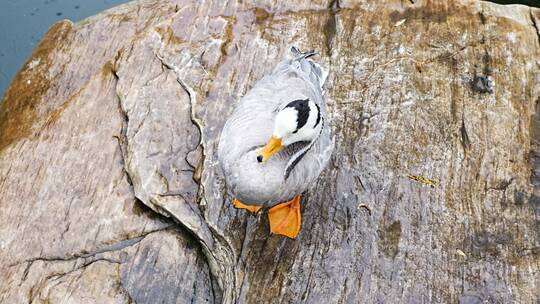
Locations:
273 146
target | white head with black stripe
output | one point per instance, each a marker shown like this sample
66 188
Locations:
299 120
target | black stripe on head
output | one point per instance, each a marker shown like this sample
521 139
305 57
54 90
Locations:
318 116
299 157
302 108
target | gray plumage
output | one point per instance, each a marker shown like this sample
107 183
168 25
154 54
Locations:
291 171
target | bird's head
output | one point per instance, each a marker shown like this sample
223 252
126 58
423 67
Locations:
299 120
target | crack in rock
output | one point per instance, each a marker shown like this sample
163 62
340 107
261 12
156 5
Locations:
123 244
196 122
218 250
36 289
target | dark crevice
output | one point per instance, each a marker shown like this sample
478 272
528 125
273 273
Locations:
197 174
138 206
121 138
219 259
482 16
194 120
124 290
465 141
343 295
536 25
534 154
486 60
500 185
330 26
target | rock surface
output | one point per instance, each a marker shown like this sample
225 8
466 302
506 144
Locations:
110 190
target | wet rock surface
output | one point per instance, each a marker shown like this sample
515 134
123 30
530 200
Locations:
110 189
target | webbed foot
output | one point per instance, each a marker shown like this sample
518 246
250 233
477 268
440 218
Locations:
285 218
239 205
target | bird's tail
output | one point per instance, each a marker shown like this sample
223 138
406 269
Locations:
311 69
302 55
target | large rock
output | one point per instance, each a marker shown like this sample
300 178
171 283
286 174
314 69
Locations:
111 191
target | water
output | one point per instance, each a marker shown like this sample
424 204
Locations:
525 2
23 23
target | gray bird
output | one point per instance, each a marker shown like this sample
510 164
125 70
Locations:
277 141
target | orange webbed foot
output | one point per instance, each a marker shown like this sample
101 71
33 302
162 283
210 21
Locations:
285 218
239 205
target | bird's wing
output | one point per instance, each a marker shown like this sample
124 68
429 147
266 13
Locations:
252 122
251 126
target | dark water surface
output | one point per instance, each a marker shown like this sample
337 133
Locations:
23 23
535 3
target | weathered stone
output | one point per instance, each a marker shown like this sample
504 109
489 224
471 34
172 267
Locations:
432 194
64 195
167 268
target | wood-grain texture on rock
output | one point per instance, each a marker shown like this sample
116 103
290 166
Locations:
110 189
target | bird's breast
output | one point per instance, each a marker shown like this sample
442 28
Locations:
257 183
